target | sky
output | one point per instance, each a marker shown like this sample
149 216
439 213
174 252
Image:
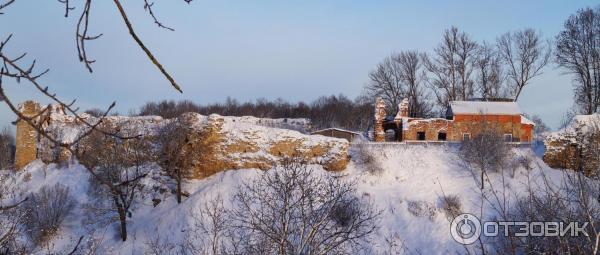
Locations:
295 50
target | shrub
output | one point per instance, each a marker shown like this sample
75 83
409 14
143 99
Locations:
367 159
451 206
345 212
421 209
46 210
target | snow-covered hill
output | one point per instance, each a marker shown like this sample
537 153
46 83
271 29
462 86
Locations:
409 192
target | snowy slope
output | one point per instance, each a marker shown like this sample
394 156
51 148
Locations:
412 175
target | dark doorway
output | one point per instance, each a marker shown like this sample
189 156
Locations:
421 136
441 136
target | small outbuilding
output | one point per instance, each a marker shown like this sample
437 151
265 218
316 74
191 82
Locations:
338 133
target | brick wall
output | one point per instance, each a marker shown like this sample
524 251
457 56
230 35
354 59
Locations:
454 129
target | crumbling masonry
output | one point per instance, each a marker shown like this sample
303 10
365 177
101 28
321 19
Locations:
27 137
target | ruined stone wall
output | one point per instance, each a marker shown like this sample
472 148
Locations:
577 147
380 115
27 138
224 142
431 127
575 154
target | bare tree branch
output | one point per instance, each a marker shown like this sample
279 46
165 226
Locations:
148 7
82 36
525 55
67 7
5 4
144 48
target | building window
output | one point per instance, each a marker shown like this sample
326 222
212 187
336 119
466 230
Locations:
508 138
421 136
466 136
441 136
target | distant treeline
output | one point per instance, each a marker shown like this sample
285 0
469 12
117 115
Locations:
326 111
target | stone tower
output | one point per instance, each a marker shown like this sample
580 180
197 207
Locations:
404 108
27 136
380 115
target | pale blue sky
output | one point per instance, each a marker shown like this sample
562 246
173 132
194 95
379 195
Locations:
296 50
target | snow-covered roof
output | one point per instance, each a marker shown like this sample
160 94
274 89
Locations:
527 121
482 107
336 129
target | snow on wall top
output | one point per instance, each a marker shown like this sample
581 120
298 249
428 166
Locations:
581 124
479 107
526 121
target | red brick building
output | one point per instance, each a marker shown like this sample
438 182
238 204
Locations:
464 120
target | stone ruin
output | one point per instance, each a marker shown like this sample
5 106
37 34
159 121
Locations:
380 115
576 147
463 120
27 137
226 142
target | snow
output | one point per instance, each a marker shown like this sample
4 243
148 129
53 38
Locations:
66 128
337 129
581 124
481 107
412 175
526 121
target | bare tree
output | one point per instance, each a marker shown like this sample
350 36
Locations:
386 81
489 74
524 54
451 67
413 76
486 151
212 231
294 210
117 166
401 76
572 200
578 51
7 149
176 155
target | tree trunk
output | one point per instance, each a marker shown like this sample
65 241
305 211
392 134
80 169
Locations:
123 221
482 178
179 186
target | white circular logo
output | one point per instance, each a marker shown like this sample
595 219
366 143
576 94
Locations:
465 228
